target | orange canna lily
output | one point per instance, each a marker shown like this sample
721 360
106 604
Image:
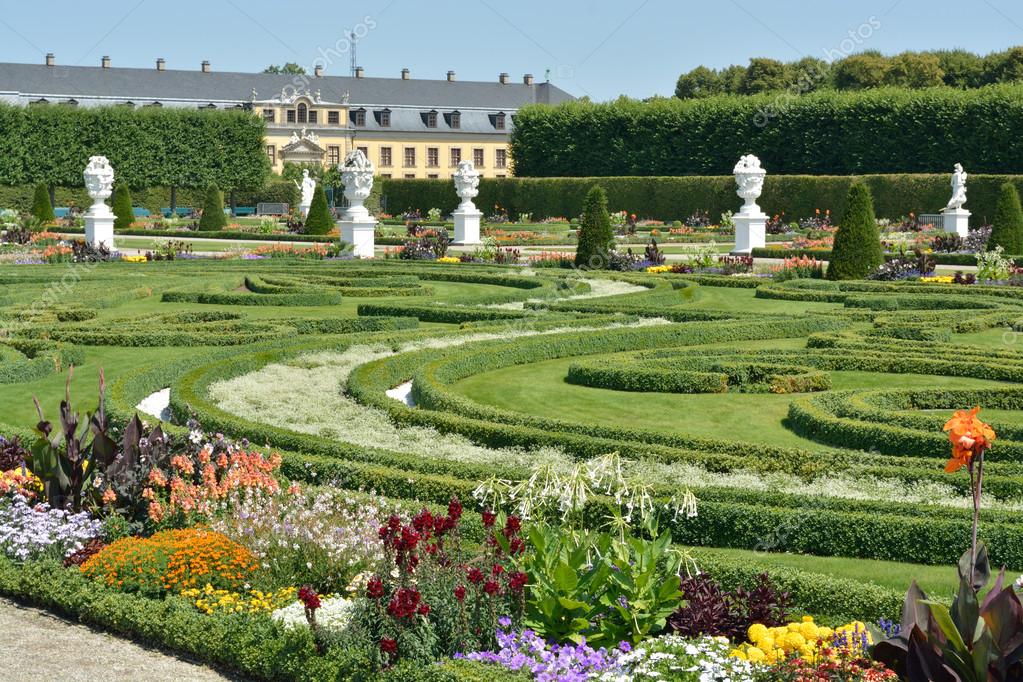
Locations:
969 436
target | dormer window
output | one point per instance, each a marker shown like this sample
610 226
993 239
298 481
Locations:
41 100
211 105
303 113
430 119
154 104
383 118
71 103
454 119
129 104
359 118
498 120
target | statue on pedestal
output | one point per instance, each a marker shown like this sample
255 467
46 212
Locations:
749 176
99 182
308 187
467 184
959 177
357 175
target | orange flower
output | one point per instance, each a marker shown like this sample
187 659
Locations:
969 436
109 496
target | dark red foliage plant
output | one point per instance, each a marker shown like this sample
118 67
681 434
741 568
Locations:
709 610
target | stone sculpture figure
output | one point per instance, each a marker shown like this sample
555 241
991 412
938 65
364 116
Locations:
959 177
749 176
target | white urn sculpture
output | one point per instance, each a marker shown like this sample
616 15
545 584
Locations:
357 225
750 221
99 219
467 217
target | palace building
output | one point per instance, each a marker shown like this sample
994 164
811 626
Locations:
409 128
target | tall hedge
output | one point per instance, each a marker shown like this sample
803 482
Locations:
213 217
1007 229
675 198
41 207
887 130
319 220
857 251
147 147
122 207
596 237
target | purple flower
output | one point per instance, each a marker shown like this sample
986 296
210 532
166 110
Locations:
546 662
624 646
504 622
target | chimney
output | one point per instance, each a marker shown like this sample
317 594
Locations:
503 78
451 76
318 71
406 75
528 79
360 72
50 59
105 62
205 66
161 65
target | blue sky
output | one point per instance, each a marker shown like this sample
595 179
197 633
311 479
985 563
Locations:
601 49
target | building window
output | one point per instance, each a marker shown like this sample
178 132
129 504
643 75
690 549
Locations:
410 176
271 153
334 118
291 115
455 120
385 157
410 157
477 158
432 157
456 156
313 115
386 176
269 115
432 176
303 113
334 155
501 176
384 118
501 158
499 121
359 117
431 119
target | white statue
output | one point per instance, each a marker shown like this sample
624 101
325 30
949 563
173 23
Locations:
308 187
958 187
357 175
99 181
312 137
467 184
749 176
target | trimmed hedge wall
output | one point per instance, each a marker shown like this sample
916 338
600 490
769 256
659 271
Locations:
889 130
676 198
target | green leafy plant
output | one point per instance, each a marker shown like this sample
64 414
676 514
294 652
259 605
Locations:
1007 228
42 209
213 217
596 237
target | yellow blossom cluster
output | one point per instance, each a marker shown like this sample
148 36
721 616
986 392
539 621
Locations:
659 268
938 279
211 601
804 638
449 259
134 259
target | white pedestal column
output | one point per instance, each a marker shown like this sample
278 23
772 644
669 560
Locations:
99 228
360 234
467 225
957 220
304 210
750 232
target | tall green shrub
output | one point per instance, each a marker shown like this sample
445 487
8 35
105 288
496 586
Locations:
122 207
596 238
857 251
1007 228
213 217
41 207
319 220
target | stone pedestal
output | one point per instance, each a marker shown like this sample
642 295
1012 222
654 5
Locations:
957 220
750 231
303 209
99 228
360 234
467 225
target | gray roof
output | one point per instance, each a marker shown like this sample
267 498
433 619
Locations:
144 85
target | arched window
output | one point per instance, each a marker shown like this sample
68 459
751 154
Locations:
303 113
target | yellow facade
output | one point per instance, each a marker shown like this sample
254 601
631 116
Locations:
396 154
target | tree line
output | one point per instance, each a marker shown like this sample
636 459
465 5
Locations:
860 71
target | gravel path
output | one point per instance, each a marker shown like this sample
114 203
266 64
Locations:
39 646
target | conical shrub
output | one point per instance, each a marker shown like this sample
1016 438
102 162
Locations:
213 217
857 251
122 207
1007 228
319 220
42 209
596 238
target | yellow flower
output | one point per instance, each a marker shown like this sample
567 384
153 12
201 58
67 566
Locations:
755 655
757 632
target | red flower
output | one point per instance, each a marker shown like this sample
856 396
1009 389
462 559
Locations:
307 595
517 581
375 588
491 587
512 525
405 603
475 576
423 610
454 509
489 518
460 593
388 645
423 521
497 570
